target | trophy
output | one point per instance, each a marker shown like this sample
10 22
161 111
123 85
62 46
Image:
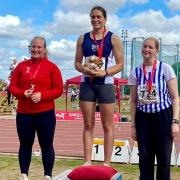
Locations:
93 63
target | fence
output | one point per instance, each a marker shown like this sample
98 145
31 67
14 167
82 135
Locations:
167 53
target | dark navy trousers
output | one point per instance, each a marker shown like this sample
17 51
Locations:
27 126
154 139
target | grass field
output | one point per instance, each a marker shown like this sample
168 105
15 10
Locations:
9 168
61 105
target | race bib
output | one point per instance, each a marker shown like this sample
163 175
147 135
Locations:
147 98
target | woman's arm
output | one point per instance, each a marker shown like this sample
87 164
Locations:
118 55
173 90
79 55
79 58
14 83
133 90
57 85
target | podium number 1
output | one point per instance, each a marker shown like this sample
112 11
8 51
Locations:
117 148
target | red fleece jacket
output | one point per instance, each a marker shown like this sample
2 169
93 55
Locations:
47 79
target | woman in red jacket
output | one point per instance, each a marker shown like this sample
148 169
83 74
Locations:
36 83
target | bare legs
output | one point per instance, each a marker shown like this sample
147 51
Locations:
107 111
88 111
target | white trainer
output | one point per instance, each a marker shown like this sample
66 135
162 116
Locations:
88 163
23 177
47 177
105 164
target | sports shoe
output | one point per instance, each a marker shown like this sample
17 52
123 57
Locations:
47 177
105 164
88 163
23 177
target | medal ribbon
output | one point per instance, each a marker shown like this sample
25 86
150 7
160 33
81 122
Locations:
150 82
33 75
100 49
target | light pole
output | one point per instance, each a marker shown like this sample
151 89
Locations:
124 35
160 48
177 61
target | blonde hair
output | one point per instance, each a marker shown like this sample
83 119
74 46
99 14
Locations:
155 41
46 53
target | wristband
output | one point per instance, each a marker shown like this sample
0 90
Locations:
175 121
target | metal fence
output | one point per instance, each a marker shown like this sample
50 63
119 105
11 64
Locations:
132 53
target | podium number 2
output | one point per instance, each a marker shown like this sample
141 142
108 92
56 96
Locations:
117 148
117 153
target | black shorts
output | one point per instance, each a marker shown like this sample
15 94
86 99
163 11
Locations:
101 93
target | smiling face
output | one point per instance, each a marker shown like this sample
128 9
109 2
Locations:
37 48
150 49
98 19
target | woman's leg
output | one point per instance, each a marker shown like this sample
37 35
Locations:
107 112
26 133
88 112
164 142
46 123
146 144
106 100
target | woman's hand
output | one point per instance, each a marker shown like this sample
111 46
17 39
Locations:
28 93
99 73
36 97
133 133
89 72
174 129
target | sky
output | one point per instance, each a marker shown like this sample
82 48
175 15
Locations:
61 22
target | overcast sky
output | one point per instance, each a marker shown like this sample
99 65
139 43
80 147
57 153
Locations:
62 21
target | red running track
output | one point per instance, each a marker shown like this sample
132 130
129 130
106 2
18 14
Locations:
68 137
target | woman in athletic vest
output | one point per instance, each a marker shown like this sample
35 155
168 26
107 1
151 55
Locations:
98 47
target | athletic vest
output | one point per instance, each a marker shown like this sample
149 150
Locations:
89 49
160 83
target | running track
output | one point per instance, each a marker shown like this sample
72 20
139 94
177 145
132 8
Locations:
68 137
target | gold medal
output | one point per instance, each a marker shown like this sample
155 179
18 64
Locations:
32 86
149 97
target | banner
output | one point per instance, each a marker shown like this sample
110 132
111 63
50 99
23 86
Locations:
77 115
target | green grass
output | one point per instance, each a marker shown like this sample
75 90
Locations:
9 168
61 104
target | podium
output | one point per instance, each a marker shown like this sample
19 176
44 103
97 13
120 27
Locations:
95 172
63 175
178 159
121 150
134 159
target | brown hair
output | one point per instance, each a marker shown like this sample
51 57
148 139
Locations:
100 8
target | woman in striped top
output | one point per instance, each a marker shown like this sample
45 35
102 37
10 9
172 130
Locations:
154 111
